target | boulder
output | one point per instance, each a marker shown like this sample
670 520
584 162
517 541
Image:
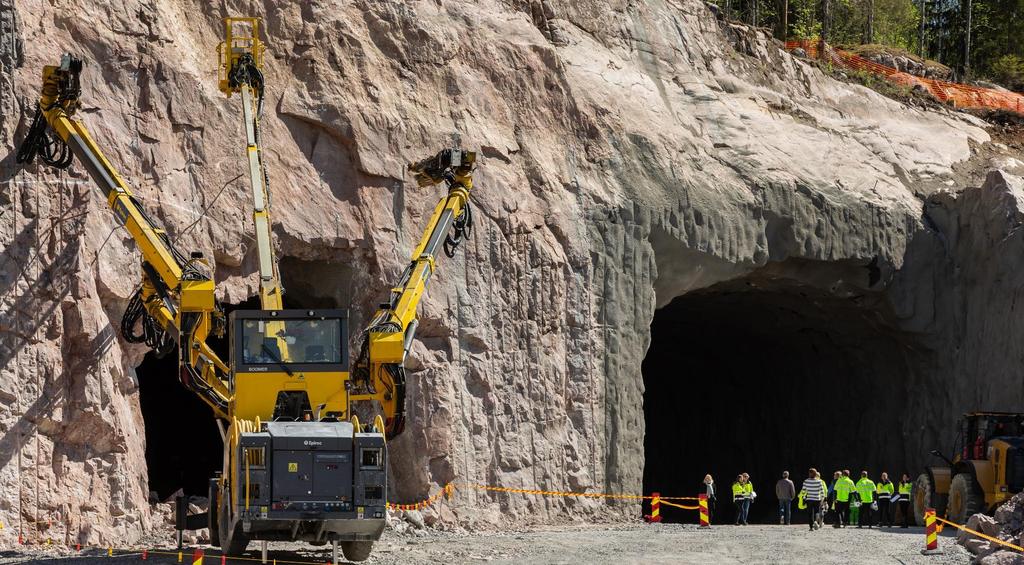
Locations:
1002 557
414 517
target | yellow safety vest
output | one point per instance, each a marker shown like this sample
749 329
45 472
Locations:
738 491
884 490
866 490
844 486
905 488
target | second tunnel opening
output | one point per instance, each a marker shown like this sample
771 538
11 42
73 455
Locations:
766 376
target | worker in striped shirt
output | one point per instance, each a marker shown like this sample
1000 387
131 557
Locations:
814 492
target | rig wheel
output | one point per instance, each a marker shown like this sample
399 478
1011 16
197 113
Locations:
233 540
357 550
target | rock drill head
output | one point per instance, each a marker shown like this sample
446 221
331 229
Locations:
448 164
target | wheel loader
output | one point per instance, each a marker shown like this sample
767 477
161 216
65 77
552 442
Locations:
986 469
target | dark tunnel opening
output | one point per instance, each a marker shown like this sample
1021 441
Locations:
766 376
183 445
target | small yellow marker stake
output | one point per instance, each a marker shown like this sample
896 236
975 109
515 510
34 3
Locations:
110 551
179 557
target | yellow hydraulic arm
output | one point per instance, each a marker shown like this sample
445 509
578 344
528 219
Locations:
380 368
241 64
175 301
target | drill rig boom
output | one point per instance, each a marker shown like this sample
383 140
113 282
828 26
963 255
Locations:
176 297
380 367
241 72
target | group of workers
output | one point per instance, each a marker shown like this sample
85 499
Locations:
842 502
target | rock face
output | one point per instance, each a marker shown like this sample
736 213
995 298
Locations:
631 153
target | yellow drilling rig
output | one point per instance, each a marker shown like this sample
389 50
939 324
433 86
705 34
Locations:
298 464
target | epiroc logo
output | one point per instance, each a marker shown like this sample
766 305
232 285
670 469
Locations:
312 442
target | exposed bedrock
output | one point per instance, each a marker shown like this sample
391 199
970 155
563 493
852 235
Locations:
634 157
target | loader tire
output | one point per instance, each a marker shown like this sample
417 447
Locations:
357 550
965 499
924 496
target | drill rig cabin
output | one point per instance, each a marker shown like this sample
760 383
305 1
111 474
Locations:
298 464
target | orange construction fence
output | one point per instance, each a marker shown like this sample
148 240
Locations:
960 95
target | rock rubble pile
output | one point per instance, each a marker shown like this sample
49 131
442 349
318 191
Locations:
1007 524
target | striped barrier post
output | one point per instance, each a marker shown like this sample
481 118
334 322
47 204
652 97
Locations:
705 522
655 507
931 535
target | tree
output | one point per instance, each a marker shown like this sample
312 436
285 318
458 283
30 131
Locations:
869 28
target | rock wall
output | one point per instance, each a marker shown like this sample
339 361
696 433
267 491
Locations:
631 152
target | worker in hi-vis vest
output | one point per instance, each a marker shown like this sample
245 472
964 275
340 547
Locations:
904 489
866 491
741 499
844 490
884 490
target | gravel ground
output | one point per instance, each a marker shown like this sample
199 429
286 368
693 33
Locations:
627 543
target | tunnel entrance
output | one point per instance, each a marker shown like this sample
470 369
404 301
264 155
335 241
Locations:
764 376
183 445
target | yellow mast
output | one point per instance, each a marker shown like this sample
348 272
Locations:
241 72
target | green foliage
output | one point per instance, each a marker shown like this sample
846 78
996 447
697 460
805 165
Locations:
896 23
997 28
804 23
1008 70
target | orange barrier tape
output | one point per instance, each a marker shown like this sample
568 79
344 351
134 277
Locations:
579 494
981 535
446 491
681 506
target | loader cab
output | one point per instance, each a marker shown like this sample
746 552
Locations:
289 365
978 428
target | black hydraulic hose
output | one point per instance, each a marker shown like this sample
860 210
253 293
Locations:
150 331
39 141
461 228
